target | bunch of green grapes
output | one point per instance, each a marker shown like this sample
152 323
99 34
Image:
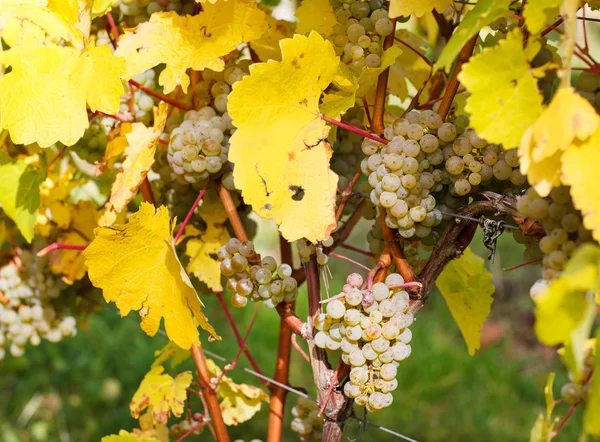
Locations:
29 315
588 86
563 226
268 283
306 422
370 327
548 54
360 31
307 249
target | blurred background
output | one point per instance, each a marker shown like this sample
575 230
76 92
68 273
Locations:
79 390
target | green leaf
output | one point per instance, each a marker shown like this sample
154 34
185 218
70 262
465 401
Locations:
591 419
504 99
538 14
20 193
543 427
484 13
467 288
549 395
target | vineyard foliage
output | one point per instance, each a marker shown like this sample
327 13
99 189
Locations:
138 136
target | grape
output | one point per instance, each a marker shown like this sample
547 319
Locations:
571 393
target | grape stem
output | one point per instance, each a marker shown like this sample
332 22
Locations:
298 348
362 266
531 261
189 214
381 89
357 250
453 83
354 129
113 27
430 103
160 96
282 364
336 377
416 51
238 336
209 394
346 194
190 431
571 410
58 245
415 100
57 156
146 190
445 27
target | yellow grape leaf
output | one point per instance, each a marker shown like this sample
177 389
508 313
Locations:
504 99
124 436
71 263
539 13
565 305
101 7
336 103
578 172
150 428
42 22
281 158
267 46
136 266
202 251
162 392
408 66
43 99
569 117
20 193
239 402
115 148
141 146
171 350
200 40
315 15
484 13
417 7
368 76
591 419
467 288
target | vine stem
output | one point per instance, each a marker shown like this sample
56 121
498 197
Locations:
571 410
445 27
209 393
453 83
345 258
146 190
337 407
190 431
396 251
346 194
380 92
354 129
531 261
357 250
435 100
160 96
234 217
282 365
57 156
238 336
189 214
113 26
118 117
416 51
59 245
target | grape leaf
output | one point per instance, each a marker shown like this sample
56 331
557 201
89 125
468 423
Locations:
171 350
239 402
409 66
202 250
578 171
504 99
417 7
315 15
20 193
591 422
467 288
538 13
337 102
71 263
267 46
124 436
368 76
162 392
279 149
43 99
136 266
200 40
484 13
101 7
141 146
564 312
